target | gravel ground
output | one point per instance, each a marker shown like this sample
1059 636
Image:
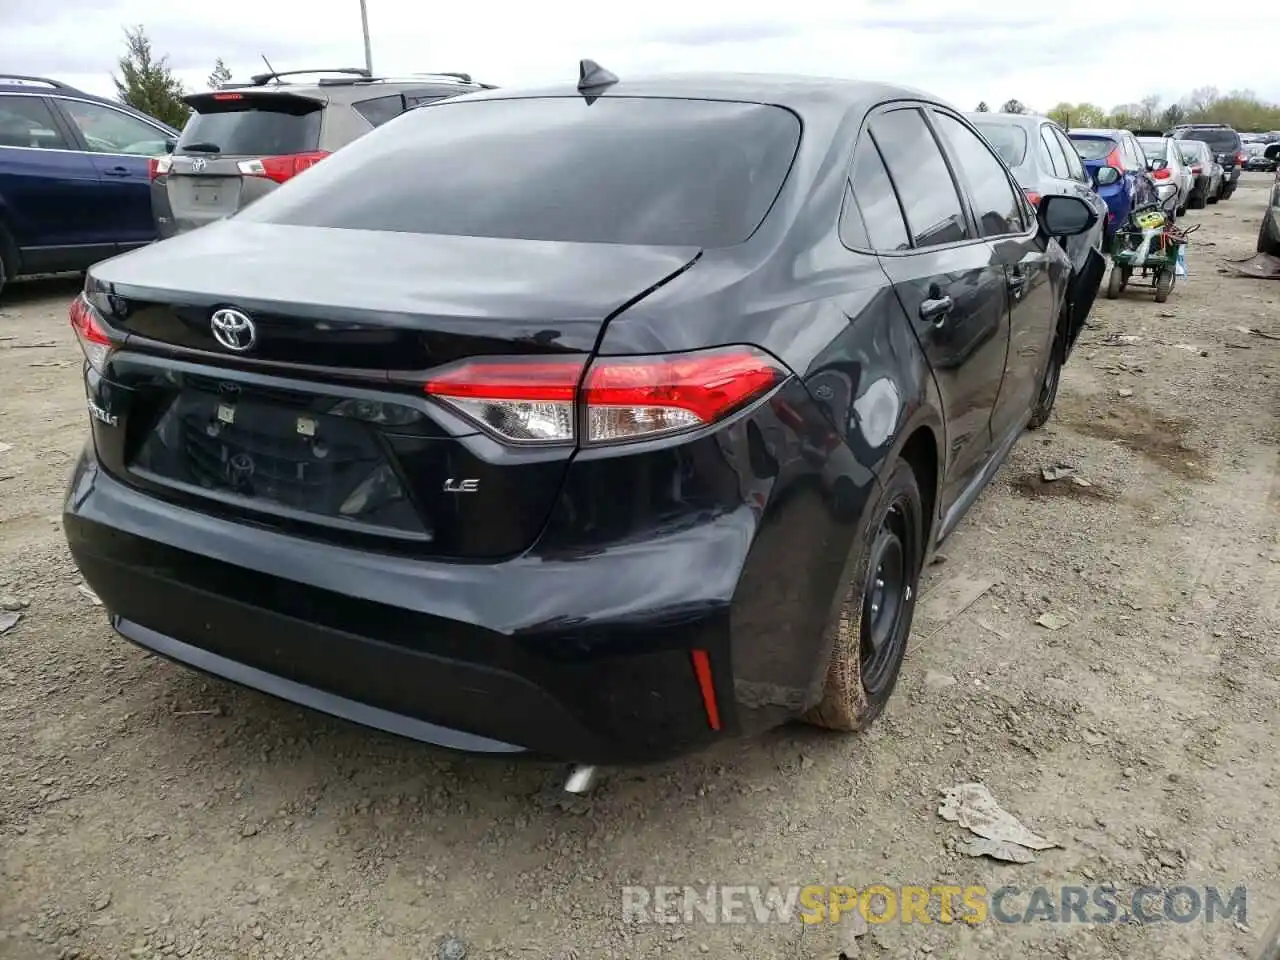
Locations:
147 811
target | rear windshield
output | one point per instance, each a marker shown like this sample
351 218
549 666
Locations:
259 126
1010 142
1093 148
616 170
1190 154
1219 141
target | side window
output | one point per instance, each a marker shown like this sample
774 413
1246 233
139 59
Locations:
379 110
996 204
1057 162
413 98
1135 154
918 171
28 122
875 203
1075 168
106 130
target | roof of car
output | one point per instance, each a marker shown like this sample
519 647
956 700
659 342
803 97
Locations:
1096 132
16 83
801 93
1027 120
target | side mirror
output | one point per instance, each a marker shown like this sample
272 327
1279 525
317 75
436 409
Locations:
170 144
1106 176
1064 216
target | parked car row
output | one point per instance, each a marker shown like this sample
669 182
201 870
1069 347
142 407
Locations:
602 421
83 178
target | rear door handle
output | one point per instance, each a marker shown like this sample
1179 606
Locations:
935 309
116 172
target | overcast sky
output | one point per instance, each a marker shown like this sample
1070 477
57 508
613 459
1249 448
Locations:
964 52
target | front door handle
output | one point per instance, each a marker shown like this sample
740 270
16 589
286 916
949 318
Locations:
116 171
935 309
1017 283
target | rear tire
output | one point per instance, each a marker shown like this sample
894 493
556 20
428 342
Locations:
1196 202
1115 282
1265 243
8 259
1164 284
872 625
1052 375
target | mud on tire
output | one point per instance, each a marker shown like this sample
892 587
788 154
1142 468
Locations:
861 675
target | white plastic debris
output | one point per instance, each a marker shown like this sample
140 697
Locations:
973 807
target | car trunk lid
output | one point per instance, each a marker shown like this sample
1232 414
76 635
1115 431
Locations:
324 423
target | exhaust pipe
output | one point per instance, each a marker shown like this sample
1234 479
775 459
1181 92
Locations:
581 779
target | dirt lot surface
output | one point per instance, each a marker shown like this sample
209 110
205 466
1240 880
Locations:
148 811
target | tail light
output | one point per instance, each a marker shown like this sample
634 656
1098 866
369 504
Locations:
92 333
613 400
1196 168
158 166
1033 198
1114 159
282 168
1164 173
1240 157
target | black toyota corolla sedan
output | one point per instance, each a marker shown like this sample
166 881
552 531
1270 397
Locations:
598 422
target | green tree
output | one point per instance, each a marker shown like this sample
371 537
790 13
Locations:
221 74
1013 106
982 107
147 84
1172 116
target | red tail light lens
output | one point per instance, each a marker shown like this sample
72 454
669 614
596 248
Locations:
158 166
521 401
91 332
620 398
628 398
1115 160
1240 157
1196 169
1032 197
1164 173
282 168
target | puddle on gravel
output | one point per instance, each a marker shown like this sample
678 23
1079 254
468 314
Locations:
1162 440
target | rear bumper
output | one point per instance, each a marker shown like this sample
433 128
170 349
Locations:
528 656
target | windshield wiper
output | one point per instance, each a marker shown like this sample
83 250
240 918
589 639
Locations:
200 147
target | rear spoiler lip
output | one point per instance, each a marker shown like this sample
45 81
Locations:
196 100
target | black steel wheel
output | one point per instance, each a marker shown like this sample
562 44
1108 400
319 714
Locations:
870 632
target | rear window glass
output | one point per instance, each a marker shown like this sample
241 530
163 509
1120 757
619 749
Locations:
1220 141
1093 148
616 170
254 126
1010 142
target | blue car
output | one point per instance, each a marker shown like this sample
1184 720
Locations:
75 181
1118 167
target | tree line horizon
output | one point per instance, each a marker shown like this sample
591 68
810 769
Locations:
147 83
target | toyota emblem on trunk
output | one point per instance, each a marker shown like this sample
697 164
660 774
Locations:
233 330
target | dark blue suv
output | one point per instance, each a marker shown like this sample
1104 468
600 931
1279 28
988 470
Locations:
74 179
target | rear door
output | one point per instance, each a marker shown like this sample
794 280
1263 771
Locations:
947 278
237 147
49 190
1008 223
119 146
